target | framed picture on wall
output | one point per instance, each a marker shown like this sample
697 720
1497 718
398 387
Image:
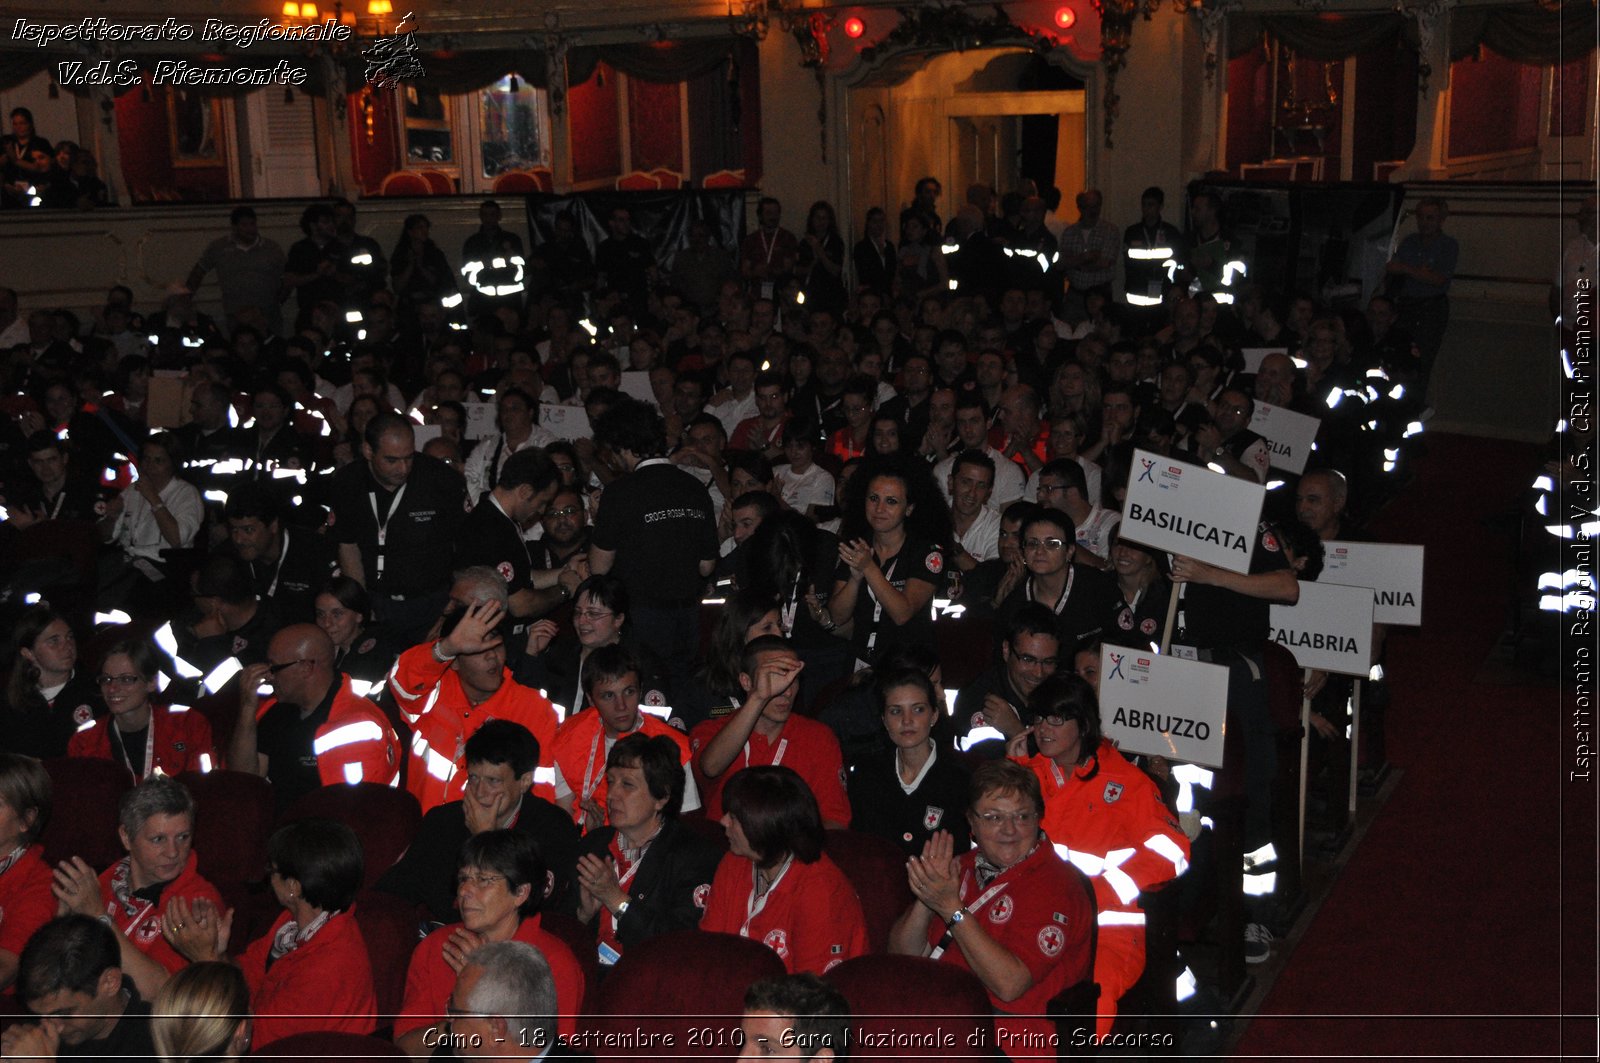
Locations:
194 128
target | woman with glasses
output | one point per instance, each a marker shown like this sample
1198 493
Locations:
555 657
776 885
907 792
137 733
500 885
1109 816
47 698
891 557
311 971
1010 910
1080 597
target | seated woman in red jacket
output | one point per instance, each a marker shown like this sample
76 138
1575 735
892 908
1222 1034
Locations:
310 972
140 735
26 902
776 885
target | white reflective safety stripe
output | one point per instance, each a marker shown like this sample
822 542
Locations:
360 731
1223 298
1122 884
177 708
1186 985
394 684
1193 774
116 616
363 689
1260 885
1150 254
1062 851
85 725
1264 855
1135 299
1185 799
205 762
166 640
1170 849
435 763
352 773
979 734
544 775
1120 918
1206 823
394 780
1088 863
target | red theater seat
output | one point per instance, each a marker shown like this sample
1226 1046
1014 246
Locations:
876 867
346 1047
85 792
908 1007
384 818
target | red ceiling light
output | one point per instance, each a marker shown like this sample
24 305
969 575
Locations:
854 27
1065 17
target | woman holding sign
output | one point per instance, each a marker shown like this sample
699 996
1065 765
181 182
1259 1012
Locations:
1105 817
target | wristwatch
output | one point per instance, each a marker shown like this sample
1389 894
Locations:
622 909
955 917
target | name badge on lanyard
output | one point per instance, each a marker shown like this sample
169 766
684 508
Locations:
384 522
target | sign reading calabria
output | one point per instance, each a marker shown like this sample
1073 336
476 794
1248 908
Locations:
1393 571
1329 628
1163 706
1289 435
1191 510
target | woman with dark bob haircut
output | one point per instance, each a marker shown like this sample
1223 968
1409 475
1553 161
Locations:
311 970
644 874
776 885
361 648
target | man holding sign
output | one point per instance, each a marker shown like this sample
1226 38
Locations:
1228 442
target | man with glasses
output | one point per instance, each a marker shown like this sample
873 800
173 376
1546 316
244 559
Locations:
1227 441
504 1005
1064 486
502 764
492 536
566 531
500 889
1010 910
314 731
997 700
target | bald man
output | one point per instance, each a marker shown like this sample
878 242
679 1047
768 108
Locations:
1275 380
314 731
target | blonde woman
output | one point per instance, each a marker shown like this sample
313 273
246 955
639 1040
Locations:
203 1012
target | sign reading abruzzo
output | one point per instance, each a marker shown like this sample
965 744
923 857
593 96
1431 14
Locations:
1163 706
1329 628
1191 510
1289 435
1392 570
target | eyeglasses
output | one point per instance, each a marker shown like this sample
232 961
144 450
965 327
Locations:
274 669
592 614
565 511
481 881
1053 721
453 1012
855 407
1020 819
1032 661
1051 545
119 680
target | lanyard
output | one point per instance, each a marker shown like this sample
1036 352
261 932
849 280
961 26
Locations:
528 557
777 758
149 747
753 904
625 877
974 906
877 606
1056 775
283 555
1066 592
769 248
383 522
61 499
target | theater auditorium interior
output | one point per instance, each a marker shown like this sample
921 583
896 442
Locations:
1029 528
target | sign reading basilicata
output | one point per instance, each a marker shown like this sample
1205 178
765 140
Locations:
1192 510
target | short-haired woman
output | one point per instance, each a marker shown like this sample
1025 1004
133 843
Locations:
644 874
25 897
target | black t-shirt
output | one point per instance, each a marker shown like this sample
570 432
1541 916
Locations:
1080 614
1214 618
659 522
304 257
1138 623
287 740
308 562
420 531
44 730
128 1040
490 537
248 642
918 559
879 804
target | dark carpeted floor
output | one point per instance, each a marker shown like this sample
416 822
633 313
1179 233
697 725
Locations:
1460 900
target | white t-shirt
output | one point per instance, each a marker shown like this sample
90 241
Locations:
1094 534
814 487
982 540
1008 479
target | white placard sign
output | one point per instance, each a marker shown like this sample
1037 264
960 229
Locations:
1289 435
1254 356
1330 628
564 422
426 433
1163 706
480 420
1191 510
636 383
1393 571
